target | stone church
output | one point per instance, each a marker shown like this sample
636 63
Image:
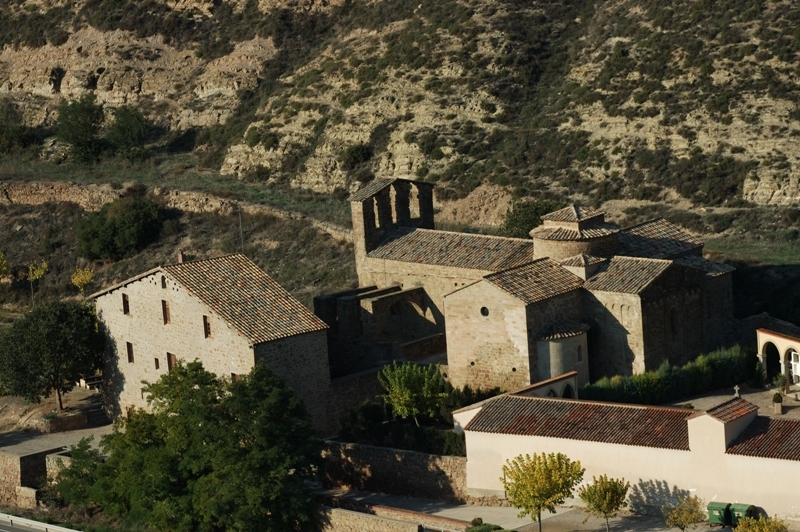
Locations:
581 294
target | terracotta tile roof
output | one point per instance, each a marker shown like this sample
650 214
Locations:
733 409
627 275
563 233
642 426
562 329
581 260
572 213
769 438
376 185
711 268
459 250
656 239
541 384
246 297
536 281
370 189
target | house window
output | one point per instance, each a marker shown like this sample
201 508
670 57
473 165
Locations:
126 307
580 353
163 282
206 327
172 361
235 377
165 311
158 365
129 346
484 311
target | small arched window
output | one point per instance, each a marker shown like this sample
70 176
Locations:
484 311
163 282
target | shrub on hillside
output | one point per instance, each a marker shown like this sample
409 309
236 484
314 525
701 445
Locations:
719 369
354 155
79 124
13 135
127 132
119 229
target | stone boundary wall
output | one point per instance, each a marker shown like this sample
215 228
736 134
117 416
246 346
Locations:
400 514
54 463
348 392
338 520
394 471
9 479
93 197
61 424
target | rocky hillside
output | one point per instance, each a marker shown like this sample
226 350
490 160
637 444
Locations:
594 100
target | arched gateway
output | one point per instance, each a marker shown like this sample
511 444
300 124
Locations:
779 353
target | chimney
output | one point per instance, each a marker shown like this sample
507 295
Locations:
180 256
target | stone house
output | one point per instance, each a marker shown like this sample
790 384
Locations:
582 294
225 312
728 453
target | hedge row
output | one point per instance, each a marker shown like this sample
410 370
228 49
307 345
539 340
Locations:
719 369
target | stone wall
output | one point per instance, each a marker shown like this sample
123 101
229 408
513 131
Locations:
347 393
9 478
302 361
487 348
60 424
406 473
561 249
616 343
88 197
339 520
426 520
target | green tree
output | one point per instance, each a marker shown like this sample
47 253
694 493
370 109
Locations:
686 514
78 124
604 497
36 272
211 455
120 229
50 348
540 482
77 480
128 132
12 131
523 216
762 524
413 390
81 278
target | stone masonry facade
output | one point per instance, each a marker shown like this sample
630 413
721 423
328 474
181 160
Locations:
617 301
154 320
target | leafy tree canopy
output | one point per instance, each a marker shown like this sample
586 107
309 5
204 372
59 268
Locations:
523 216
686 514
413 389
762 524
119 229
540 482
79 123
212 455
127 132
50 348
604 497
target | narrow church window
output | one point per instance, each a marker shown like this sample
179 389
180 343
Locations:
580 353
157 365
172 361
484 311
129 346
206 327
165 311
126 307
163 282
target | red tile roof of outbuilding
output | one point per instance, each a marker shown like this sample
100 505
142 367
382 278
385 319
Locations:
733 409
769 438
642 426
